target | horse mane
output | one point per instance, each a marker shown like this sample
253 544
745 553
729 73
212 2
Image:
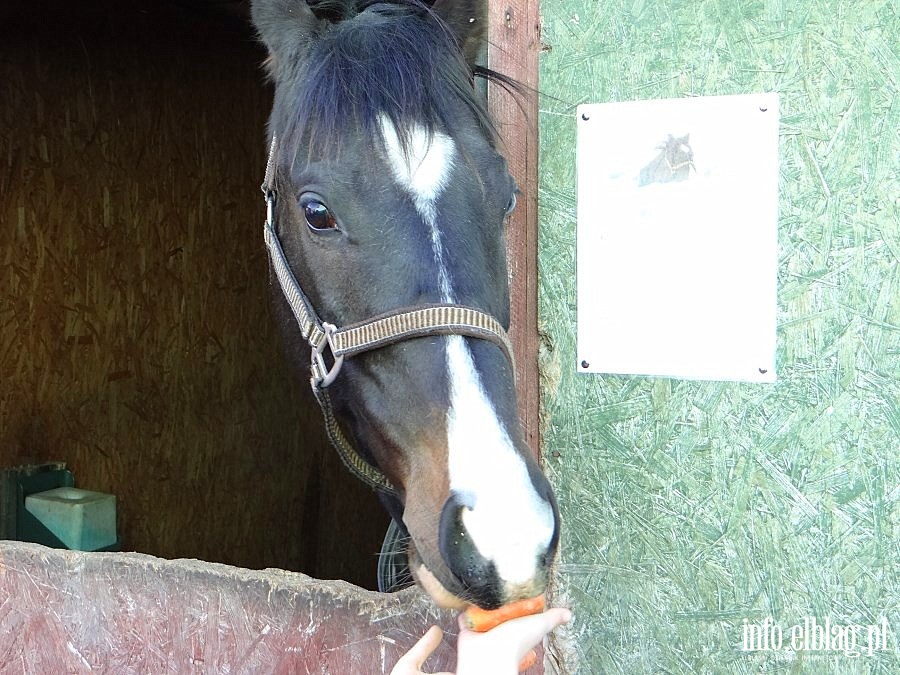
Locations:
369 59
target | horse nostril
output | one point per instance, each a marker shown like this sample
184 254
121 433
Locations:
496 551
457 548
453 534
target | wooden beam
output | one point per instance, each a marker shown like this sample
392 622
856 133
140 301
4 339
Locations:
514 45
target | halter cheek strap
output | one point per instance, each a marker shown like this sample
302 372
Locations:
379 331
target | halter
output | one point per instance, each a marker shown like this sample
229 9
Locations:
385 329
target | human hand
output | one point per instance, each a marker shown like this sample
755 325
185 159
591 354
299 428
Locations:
500 650
412 661
496 652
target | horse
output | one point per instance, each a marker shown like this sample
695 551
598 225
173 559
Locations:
387 197
673 163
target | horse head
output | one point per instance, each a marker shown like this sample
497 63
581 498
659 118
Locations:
388 191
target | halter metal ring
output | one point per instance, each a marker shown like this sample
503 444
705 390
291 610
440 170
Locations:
322 375
270 207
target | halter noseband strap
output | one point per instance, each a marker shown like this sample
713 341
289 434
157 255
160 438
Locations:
379 331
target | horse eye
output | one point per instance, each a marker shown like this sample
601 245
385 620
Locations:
318 216
511 205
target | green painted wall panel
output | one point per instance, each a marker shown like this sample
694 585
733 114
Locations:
690 507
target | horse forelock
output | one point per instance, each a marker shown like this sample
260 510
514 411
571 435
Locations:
394 61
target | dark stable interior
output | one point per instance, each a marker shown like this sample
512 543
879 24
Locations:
136 340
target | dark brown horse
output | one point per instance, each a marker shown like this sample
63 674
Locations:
387 203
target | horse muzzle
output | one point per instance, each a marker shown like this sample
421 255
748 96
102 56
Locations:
487 558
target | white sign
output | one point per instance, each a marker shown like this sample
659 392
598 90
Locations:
677 237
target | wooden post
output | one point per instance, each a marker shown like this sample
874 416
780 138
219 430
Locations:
514 44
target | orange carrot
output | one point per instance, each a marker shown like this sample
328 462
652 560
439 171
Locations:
481 620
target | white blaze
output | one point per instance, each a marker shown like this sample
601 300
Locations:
509 523
423 171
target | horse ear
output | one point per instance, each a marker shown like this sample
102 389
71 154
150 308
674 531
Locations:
285 27
468 21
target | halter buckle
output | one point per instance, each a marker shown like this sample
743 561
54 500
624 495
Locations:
322 375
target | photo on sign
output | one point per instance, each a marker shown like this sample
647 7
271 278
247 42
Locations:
677 237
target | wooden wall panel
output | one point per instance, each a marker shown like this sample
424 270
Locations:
135 336
514 45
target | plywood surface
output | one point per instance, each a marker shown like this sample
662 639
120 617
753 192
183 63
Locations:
690 507
136 339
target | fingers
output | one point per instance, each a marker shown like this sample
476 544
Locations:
411 663
529 628
488 652
502 648
527 631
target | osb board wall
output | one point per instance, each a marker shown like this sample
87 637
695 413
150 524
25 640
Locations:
136 342
690 508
